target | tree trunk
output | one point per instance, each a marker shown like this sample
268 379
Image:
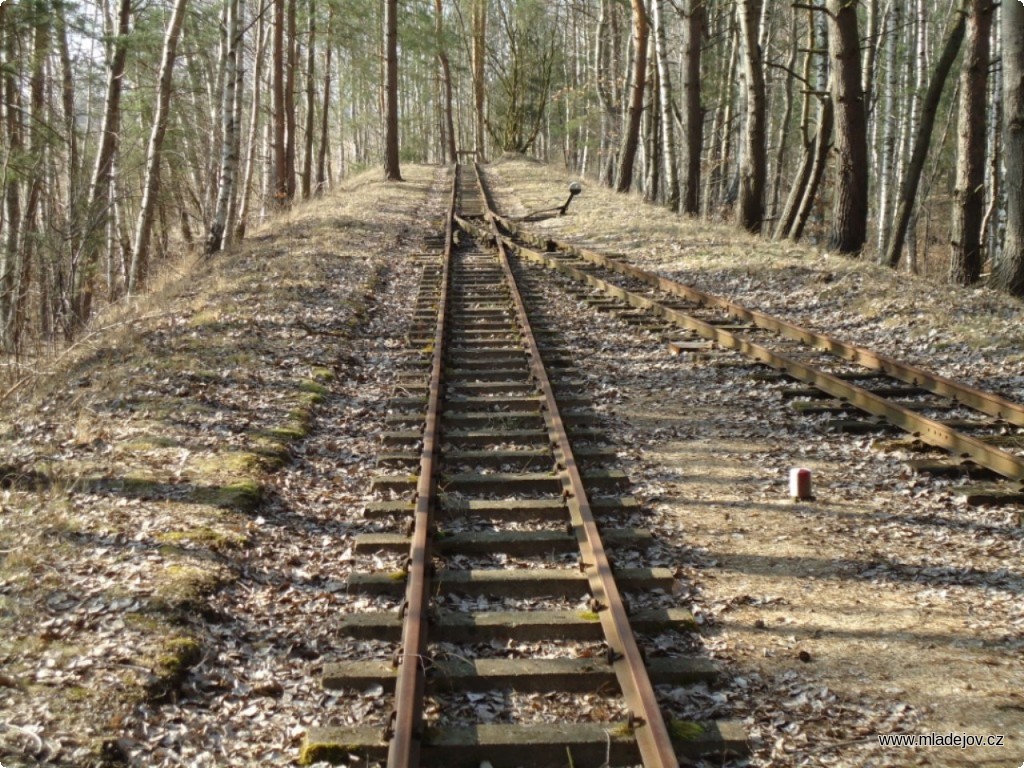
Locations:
307 148
321 158
753 167
229 154
624 175
822 144
908 191
151 184
280 159
290 67
479 53
391 170
254 125
1008 272
97 206
668 133
446 81
890 130
969 195
693 34
850 210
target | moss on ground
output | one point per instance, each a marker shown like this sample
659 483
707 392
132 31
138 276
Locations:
334 754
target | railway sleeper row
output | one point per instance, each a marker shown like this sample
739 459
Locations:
969 433
499 467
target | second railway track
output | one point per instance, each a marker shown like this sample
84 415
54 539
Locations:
496 553
982 432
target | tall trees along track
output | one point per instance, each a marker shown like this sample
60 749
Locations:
506 587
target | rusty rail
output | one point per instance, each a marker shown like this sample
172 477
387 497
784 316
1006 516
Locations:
980 400
406 726
928 430
649 728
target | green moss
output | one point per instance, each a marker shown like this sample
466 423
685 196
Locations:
685 730
622 730
219 540
322 375
179 654
273 452
314 387
184 588
325 753
151 443
309 399
289 432
208 317
398 575
175 657
589 616
230 462
243 495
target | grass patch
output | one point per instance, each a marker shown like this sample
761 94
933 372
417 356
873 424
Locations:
335 754
242 495
685 730
216 539
170 667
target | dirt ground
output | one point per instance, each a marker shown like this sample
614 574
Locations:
886 604
179 497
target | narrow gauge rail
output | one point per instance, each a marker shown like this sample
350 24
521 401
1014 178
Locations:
486 392
978 428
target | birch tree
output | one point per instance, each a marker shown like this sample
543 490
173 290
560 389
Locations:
230 97
668 133
908 190
151 185
97 208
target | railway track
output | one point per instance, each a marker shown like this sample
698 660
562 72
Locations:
981 433
513 642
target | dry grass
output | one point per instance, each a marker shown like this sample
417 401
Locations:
133 464
714 254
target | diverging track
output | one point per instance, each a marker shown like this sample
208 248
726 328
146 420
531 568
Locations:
512 641
982 432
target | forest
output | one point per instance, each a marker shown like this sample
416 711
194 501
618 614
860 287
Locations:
136 130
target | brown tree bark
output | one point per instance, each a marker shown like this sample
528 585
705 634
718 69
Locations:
693 34
321 158
969 194
392 172
98 201
479 53
1008 272
291 66
754 163
850 210
624 175
280 186
446 81
307 143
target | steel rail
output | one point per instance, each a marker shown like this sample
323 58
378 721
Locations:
928 430
652 735
406 727
980 400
